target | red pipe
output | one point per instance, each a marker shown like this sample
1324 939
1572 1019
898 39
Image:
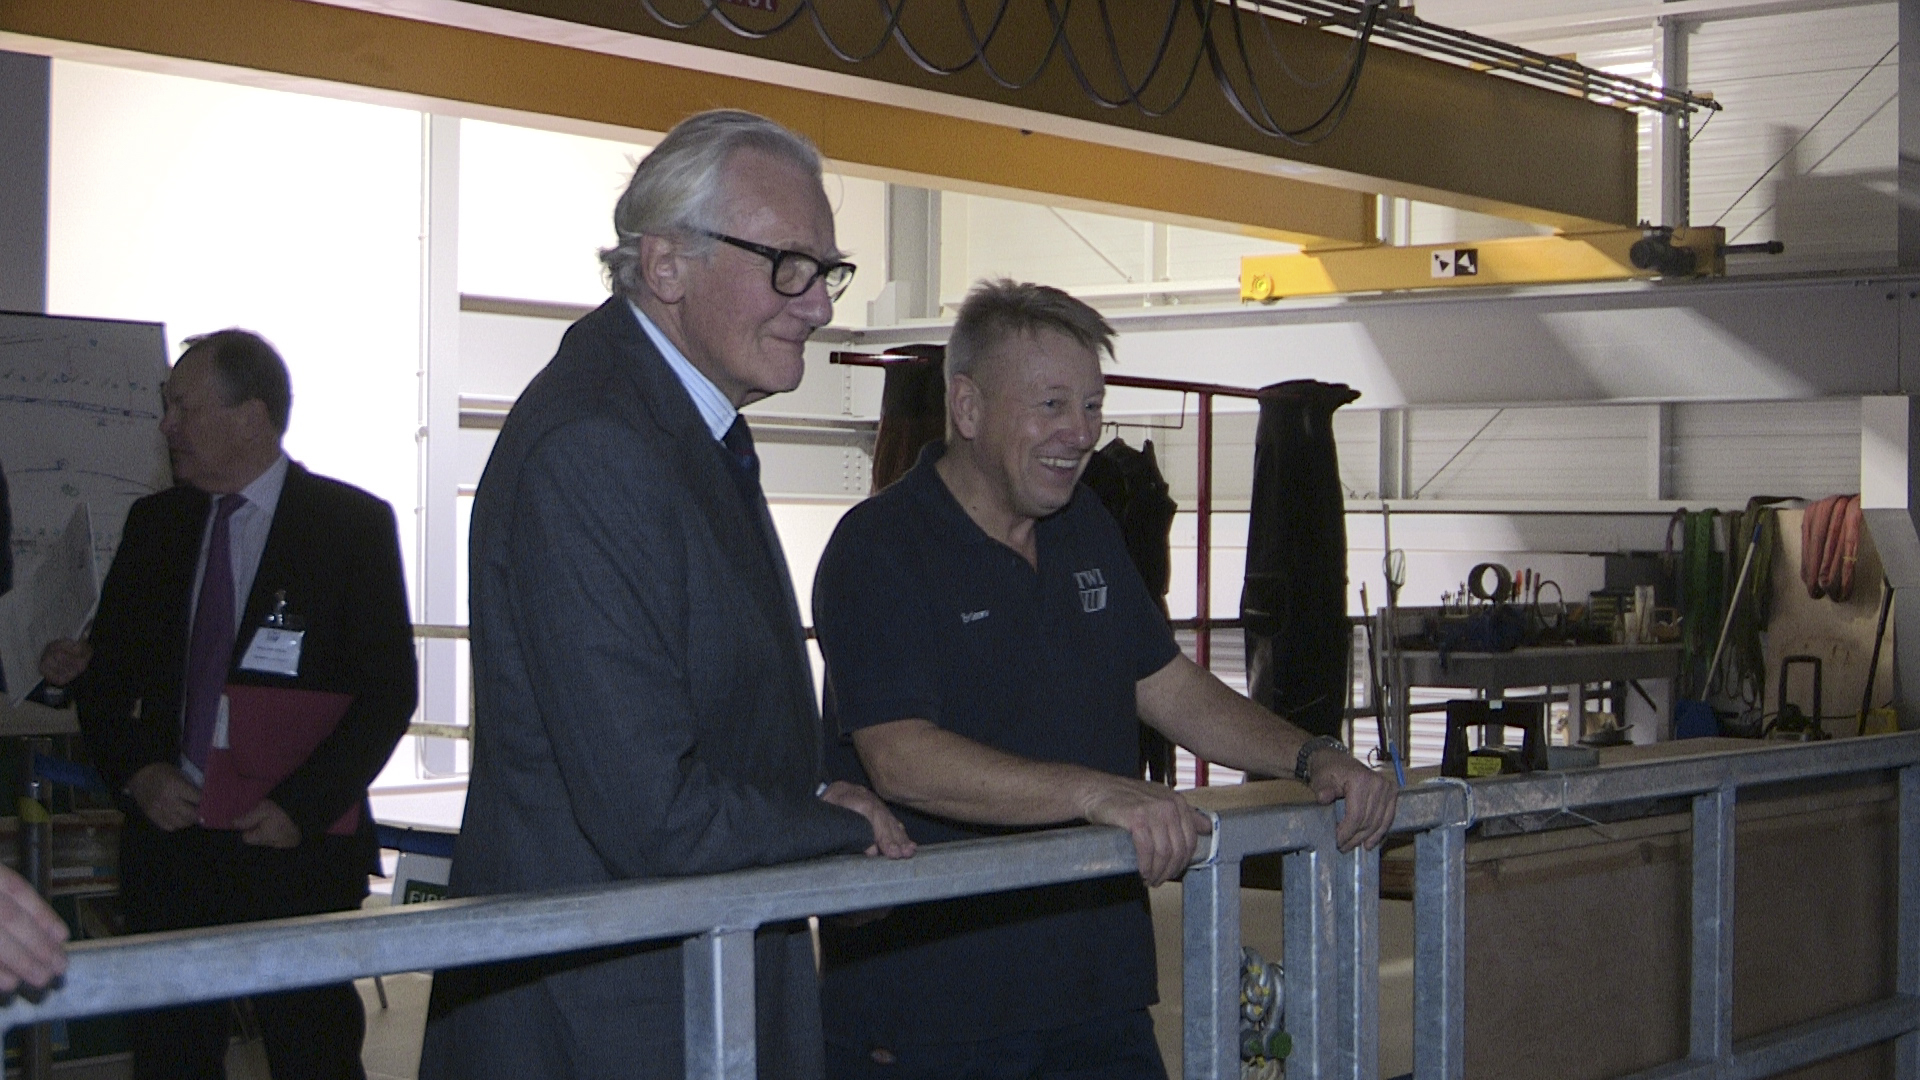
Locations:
1203 570
1140 382
1181 386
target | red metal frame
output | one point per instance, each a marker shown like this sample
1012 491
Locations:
1203 510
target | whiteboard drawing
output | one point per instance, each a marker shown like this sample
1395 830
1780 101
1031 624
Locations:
79 422
54 599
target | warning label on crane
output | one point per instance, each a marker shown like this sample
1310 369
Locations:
1456 262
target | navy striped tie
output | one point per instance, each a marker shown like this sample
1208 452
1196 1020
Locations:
739 441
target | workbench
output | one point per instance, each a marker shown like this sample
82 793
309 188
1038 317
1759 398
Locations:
1571 666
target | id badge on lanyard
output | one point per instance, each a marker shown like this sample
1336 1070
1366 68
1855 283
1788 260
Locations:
275 648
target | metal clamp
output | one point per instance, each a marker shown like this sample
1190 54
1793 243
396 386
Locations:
1213 842
1472 813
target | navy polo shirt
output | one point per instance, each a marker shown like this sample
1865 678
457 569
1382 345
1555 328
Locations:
920 614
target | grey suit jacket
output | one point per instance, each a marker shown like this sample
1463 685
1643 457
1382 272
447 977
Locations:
644 708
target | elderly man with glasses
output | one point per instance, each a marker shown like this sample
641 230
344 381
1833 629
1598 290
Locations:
644 705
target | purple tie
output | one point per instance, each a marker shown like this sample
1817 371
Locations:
210 649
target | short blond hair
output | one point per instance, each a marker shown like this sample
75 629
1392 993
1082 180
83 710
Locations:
998 309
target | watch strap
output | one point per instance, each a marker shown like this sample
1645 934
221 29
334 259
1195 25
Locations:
1311 747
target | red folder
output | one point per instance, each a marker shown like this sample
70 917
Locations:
271 731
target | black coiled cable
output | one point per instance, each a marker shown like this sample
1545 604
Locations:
1252 102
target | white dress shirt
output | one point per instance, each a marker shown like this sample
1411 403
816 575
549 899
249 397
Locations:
714 407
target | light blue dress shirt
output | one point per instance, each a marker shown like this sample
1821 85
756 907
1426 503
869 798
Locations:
714 407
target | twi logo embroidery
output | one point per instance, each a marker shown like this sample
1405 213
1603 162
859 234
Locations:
968 617
1093 590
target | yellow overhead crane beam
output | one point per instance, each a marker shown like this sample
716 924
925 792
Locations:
1417 127
1606 255
861 136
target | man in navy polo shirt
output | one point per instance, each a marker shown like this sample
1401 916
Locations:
989 646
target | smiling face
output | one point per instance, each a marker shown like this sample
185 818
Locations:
1027 420
732 325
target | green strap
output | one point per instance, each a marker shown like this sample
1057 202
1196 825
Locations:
1702 570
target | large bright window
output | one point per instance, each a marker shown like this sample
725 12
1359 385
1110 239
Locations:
205 205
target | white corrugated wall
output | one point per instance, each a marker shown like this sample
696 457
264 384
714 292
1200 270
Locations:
1778 76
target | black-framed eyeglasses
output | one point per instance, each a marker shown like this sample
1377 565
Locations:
794 272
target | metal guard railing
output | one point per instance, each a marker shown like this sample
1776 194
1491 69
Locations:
1331 918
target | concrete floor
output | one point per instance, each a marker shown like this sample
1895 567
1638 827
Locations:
392 1049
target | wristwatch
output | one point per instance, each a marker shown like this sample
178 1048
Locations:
1311 747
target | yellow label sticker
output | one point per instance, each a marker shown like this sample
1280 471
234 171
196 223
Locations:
1483 766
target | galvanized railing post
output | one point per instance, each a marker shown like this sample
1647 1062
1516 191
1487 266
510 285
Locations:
1312 956
718 979
1440 953
1907 932
1711 1012
1356 919
1210 935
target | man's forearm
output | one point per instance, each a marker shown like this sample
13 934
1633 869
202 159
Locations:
1188 705
1196 710
119 745
917 764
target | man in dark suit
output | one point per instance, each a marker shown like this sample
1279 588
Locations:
246 535
644 703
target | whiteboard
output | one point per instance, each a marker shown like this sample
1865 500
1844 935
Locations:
79 421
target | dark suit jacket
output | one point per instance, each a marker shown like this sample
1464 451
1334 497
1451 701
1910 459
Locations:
335 552
6 548
644 709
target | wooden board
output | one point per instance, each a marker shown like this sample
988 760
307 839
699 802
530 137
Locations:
1578 938
1841 635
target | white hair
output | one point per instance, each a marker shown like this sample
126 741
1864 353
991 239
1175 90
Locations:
677 189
